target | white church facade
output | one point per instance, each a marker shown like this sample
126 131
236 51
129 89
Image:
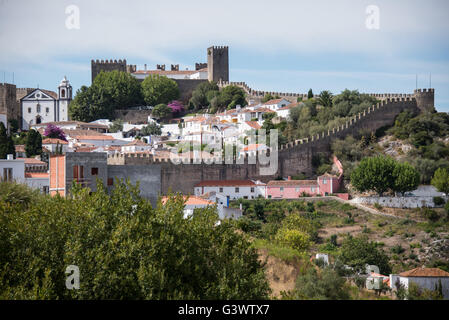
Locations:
40 106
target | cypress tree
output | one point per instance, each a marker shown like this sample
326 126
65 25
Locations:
33 145
6 143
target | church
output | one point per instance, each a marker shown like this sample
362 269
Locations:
41 106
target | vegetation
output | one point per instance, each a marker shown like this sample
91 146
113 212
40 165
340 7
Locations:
139 252
33 145
161 111
158 89
207 95
440 180
52 131
6 143
381 174
151 129
117 125
109 91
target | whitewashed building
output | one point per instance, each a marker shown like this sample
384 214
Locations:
232 189
41 105
276 104
425 278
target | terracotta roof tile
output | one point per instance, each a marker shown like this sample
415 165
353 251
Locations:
291 183
37 175
54 141
425 272
192 200
225 183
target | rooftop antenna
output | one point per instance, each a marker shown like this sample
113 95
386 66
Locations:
430 80
416 81
13 78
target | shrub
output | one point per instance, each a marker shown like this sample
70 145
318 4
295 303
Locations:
295 239
430 214
397 249
438 201
378 206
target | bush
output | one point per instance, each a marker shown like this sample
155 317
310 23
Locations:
293 238
397 249
438 201
430 214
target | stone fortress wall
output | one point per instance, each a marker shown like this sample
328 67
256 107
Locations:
294 158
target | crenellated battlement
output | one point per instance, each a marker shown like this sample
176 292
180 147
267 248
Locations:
107 65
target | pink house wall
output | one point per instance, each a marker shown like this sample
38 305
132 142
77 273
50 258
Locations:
289 192
332 185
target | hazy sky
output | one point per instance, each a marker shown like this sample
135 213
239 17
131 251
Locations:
277 45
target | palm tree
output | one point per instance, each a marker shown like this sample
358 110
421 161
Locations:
325 98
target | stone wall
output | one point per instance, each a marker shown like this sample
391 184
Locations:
8 102
107 65
186 87
132 116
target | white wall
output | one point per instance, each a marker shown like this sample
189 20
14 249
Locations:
230 191
29 118
17 166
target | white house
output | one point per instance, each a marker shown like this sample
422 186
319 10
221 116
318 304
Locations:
232 189
46 106
51 144
276 104
14 170
426 278
98 140
136 146
284 112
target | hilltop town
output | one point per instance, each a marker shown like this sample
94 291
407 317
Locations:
303 195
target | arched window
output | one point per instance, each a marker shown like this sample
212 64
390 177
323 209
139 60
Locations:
38 108
62 93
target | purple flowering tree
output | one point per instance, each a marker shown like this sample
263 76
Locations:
52 131
176 106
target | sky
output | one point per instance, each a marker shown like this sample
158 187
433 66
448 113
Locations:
282 45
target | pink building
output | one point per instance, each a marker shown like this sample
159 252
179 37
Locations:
292 189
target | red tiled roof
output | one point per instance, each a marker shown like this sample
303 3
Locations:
37 175
253 124
225 183
273 101
102 137
192 200
289 106
136 142
425 272
54 141
292 183
19 148
254 147
32 161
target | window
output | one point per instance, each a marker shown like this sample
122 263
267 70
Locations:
281 188
312 189
269 197
324 181
29 110
62 93
94 171
245 197
221 189
297 189
38 108
45 189
78 172
110 181
47 110
252 189
237 190
7 174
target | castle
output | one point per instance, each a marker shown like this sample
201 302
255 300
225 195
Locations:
216 69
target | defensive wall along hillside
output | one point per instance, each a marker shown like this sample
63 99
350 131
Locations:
294 158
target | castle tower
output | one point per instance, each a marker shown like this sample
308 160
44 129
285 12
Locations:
64 98
425 99
218 63
100 65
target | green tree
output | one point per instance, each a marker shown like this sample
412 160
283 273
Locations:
33 144
151 129
310 94
358 251
406 178
6 143
140 252
116 126
325 284
161 111
231 96
293 238
203 94
158 89
108 92
440 180
375 173
325 98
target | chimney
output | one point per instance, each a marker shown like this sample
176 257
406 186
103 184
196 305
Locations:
10 157
238 107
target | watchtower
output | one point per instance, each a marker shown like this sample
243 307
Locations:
107 65
425 99
218 63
